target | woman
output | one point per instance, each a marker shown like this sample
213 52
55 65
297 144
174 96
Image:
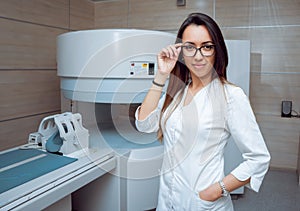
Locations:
195 119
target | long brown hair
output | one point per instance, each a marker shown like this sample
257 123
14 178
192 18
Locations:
179 76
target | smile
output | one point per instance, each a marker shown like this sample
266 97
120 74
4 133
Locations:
199 66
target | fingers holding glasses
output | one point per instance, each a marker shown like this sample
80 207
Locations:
168 57
171 51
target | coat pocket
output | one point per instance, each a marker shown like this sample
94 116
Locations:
200 204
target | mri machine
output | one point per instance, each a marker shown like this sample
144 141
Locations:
105 75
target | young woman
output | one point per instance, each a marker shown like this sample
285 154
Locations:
195 119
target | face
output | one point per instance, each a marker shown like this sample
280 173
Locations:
197 36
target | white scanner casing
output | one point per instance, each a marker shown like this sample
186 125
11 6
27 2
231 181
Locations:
109 66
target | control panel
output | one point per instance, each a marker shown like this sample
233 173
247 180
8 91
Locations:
142 68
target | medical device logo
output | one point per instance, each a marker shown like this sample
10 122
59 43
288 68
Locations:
114 93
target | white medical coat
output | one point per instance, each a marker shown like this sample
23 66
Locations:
194 139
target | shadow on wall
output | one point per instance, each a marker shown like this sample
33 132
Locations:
261 93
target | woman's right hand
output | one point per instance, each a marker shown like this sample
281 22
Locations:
167 58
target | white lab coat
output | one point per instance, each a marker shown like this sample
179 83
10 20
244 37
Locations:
194 139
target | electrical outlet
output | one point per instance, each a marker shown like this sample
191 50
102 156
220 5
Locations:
286 109
180 2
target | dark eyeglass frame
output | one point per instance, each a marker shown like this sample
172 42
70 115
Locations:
200 50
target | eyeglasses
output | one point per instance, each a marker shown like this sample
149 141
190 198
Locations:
205 50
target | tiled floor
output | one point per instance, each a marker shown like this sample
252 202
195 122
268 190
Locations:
279 192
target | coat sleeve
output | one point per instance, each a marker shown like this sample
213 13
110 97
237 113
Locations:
151 123
248 138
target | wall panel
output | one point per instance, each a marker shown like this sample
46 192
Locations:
27 93
279 47
27 46
164 14
47 12
82 14
257 12
268 90
15 132
111 14
282 137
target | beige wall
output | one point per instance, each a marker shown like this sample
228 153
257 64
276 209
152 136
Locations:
274 30
29 87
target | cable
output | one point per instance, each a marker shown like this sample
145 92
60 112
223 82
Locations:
297 114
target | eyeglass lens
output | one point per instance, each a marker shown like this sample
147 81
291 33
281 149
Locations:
205 50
